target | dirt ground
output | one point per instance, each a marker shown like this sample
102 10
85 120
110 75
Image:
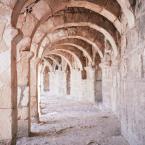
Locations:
66 122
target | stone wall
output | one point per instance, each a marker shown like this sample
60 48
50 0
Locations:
132 96
127 92
57 83
83 90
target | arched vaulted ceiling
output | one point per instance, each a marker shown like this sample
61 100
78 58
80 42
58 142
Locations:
72 29
54 60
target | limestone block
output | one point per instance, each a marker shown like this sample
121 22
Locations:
98 91
55 36
23 128
43 9
24 43
3 46
38 36
5 10
23 113
23 73
25 99
33 106
2 43
18 95
5 94
5 62
9 3
5 124
106 93
9 34
5 142
23 96
29 25
47 26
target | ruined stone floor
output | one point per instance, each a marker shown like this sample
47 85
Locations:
72 123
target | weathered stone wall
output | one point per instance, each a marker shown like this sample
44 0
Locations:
126 96
132 96
80 89
57 83
83 89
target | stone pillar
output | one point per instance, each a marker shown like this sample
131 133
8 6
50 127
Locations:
34 90
106 83
42 77
88 85
115 86
76 84
52 81
92 83
8 82
68 81
46 79
62 80
59 78
98 85
23 96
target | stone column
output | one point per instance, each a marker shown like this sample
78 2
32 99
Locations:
68 81
62 80
92 83
46 79
88 85
8 82
98 85
34 90
106 83
59 79
76 84
42 77
23 96
115 86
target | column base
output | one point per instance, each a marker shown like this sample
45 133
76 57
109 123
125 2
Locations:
6 142
23 128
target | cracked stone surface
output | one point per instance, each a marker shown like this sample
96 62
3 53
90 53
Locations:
66 122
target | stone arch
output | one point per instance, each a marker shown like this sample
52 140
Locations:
125 5
63 57
55 61
96 27
40 49
75 46
71 53
96 48
93 26
78 47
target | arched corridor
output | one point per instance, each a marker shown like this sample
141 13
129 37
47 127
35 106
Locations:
72 72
